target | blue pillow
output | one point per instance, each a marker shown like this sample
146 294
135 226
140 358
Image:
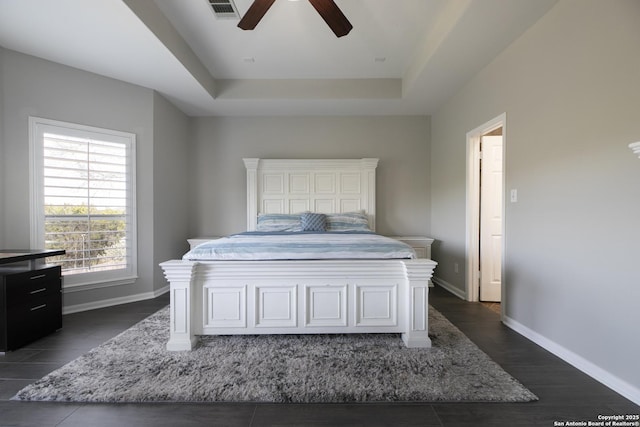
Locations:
313 222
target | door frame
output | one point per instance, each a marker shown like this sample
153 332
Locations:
474 136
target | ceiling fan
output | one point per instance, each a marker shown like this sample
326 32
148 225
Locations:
327 9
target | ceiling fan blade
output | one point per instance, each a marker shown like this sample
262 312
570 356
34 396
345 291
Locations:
254 14
333 16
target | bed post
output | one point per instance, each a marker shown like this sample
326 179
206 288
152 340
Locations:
369 166
418 273
252 192
180 276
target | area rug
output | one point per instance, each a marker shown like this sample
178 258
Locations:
135 367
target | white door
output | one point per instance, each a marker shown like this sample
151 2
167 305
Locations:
491 218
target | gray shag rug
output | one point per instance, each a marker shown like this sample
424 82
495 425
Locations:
135 367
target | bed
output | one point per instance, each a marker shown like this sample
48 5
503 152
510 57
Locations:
300 292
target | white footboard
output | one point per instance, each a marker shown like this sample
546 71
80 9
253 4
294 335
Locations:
298 297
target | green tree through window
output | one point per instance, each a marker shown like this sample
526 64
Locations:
92 239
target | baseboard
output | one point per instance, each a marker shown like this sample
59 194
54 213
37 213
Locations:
114 301
449 287
616 384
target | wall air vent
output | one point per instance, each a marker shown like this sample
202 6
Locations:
224 9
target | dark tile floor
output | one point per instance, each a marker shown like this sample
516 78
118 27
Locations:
565 393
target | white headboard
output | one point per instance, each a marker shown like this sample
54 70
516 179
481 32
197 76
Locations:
299 185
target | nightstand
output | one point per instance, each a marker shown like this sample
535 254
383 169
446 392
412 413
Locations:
195 241
422 245
30 297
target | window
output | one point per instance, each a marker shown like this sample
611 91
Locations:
83 200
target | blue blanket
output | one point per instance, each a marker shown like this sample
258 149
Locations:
301 245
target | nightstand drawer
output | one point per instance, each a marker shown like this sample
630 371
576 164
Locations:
32 321
34 306
422 245
30 284
199 240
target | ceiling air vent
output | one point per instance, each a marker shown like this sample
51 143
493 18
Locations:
224 8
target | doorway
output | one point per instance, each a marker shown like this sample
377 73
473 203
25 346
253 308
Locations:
485 211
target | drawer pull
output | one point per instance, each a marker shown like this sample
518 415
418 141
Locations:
39 276
37 291
38 307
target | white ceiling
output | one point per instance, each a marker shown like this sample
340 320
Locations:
402 56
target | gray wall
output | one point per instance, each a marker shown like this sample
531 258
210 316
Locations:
35 87
219 180
170 184
570 89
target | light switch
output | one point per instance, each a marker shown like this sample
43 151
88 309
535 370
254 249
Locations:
514 195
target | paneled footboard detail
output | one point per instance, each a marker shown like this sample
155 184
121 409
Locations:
298 297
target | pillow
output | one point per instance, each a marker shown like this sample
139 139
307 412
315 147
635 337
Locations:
279 222
348 221
313 221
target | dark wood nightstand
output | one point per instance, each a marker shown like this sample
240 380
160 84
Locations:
30 297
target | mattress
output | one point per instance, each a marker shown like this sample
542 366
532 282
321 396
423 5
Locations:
253 246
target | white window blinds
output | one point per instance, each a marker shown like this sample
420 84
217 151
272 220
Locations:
85 199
